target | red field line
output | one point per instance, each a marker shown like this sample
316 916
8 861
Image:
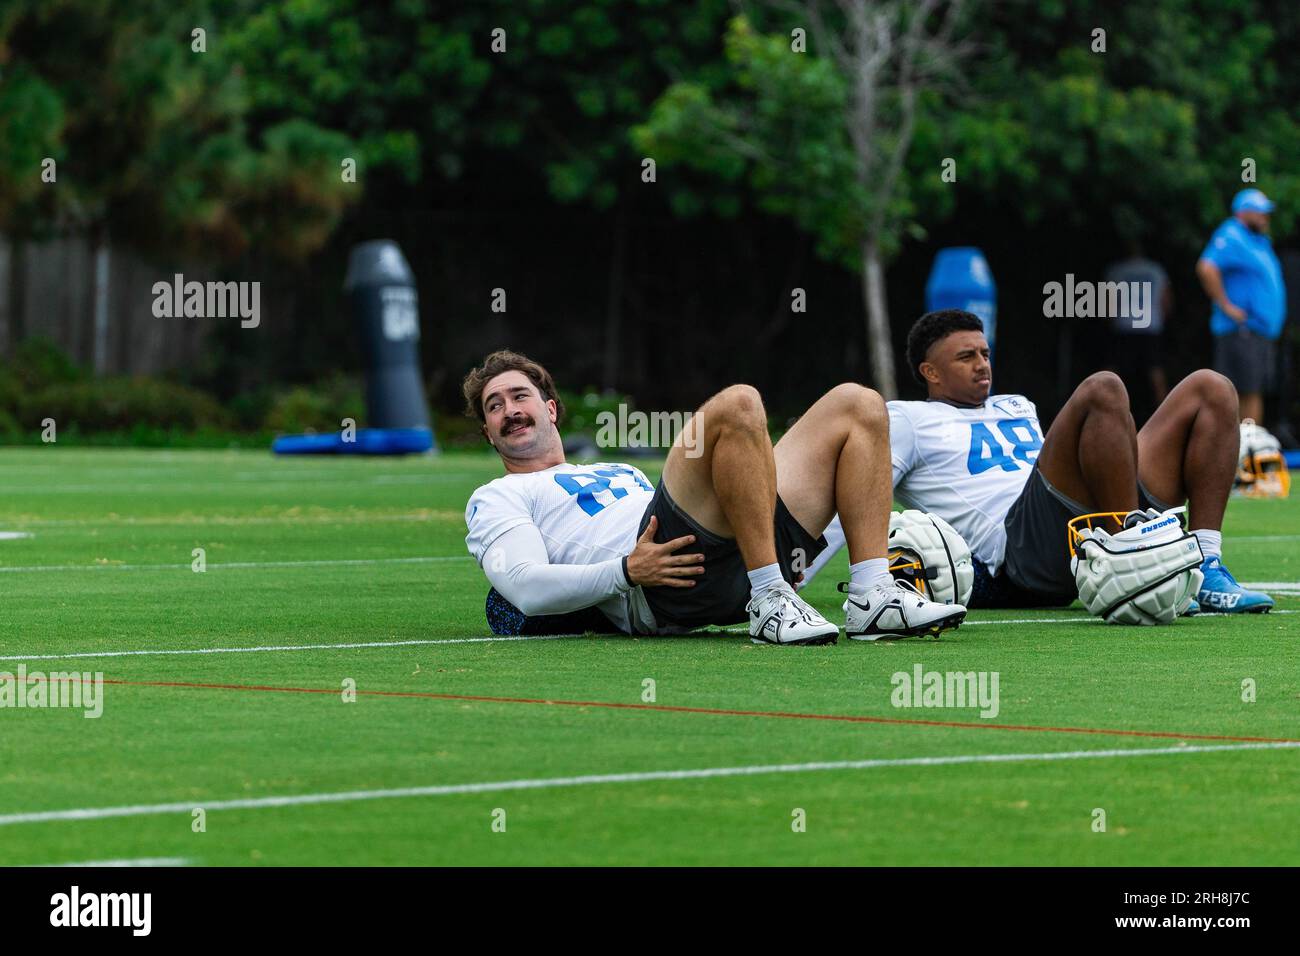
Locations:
710 711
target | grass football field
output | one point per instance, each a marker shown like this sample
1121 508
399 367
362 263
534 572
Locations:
225 693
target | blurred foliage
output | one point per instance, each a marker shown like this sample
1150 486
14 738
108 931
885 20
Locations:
121 404
149 134
10 429
417 87
458 431
1154 129
581 409
143 436
241 146
32 365
773 125
38 381
318 408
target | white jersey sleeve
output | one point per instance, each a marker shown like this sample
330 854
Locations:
494 509
517 565
902 443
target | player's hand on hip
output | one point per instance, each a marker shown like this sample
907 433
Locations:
1234 312
656 565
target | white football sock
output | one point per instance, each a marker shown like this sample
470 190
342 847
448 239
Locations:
1211 542
760 579
873 572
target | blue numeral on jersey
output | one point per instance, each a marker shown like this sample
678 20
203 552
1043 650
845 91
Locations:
620 470
983 441
1021 446
595 482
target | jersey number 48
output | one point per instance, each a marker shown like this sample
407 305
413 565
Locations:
986 451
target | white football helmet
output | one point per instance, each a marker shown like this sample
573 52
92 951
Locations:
1146 574
929 554
1261 469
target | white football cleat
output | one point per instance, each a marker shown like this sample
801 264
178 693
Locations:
779 616
895 610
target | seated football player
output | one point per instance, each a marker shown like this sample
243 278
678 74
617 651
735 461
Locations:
981 462
729 528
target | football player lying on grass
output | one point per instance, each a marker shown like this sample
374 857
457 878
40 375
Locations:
728 530
980 461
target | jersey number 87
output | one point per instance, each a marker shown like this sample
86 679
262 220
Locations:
598 481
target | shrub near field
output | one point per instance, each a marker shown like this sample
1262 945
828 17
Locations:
39 382
321 408
122 404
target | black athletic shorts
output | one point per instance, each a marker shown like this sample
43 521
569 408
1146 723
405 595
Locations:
1247 359
1037 564
722 591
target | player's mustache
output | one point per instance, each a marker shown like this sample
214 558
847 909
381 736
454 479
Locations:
511 424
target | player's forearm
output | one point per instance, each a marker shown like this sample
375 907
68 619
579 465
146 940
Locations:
1212 282
537 588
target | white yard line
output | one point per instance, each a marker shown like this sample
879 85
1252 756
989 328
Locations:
184 520
1081 619
182 487
422 642
217 566
543 783
271 648
137 861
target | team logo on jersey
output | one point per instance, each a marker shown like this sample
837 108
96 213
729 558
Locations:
1012 405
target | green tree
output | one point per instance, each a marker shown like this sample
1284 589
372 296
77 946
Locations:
147 133
822 133
436 97
121 117
1144 131
1153 129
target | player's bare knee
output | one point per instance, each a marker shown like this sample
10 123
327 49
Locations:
1105 391
737 406
1215 390
863 405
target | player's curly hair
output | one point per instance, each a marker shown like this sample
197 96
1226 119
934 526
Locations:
932 327
500 361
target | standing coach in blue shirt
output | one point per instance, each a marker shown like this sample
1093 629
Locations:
1240 273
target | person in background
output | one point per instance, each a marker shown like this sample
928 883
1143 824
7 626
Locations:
1138 356
1283 427
1243 278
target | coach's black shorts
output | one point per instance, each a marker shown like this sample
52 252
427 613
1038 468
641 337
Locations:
1037 560
722 591
1247 359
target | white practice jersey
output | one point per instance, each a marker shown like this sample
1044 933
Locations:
587 515
967 465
